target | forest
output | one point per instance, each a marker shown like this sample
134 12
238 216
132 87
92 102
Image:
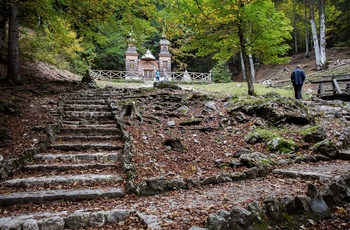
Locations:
78 35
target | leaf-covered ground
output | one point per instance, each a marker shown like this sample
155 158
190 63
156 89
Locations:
26 111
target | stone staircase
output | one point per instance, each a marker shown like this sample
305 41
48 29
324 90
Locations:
84 156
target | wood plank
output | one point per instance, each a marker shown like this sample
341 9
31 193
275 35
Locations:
336 88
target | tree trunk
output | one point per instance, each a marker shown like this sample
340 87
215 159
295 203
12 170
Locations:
13 76
242 65
295 27
244 53
322 33
306 31
3 20
315 36
251 64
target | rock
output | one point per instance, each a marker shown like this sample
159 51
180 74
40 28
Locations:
30 224
77 219
192 121
302 203
117 215
288 203
255 159
53 223
282 145
209 106
314 134
157 183
241 218
197 228
97 219
252 173
176 184
218 221
183 109
166 85
317 202
241 151
326 147
150 220
193 182
272 207
256 210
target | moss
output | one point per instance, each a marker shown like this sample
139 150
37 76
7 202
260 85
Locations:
260 135
282 145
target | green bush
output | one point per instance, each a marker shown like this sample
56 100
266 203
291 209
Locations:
221 73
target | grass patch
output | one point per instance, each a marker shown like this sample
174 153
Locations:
239 88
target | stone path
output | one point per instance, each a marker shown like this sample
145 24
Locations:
85 153
84 163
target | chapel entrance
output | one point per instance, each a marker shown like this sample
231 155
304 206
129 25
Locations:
148 74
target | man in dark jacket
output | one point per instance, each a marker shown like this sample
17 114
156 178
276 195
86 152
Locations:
298 78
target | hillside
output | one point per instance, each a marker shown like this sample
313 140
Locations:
208 151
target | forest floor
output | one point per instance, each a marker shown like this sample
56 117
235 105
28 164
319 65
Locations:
31 108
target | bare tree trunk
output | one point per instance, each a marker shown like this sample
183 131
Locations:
315 36
3 20
13 76
322 32
306 31
242 65
251 64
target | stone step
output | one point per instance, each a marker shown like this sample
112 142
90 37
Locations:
89 131
87 102
65 167
100 157
344 154
71 179
88 114
88 122
87 138
301 174
82 147
91 126
82 107
41 197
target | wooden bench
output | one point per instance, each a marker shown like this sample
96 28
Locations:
335 86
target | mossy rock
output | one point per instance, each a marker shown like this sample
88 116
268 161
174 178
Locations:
326 147
166 85
259 136
282 145
314 134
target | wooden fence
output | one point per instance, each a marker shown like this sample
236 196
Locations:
183 77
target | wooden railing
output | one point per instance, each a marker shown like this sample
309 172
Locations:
333 86
183 77
108 75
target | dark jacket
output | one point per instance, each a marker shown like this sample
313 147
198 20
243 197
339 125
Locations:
298 77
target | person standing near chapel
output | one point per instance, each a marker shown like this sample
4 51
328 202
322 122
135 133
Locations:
298 78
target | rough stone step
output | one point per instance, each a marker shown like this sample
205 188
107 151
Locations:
41 197
40 181
301 174
78 101
100 157
82 107
89 131
87 138
91 126
344 154
65 167
88 114
88 122
82 147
